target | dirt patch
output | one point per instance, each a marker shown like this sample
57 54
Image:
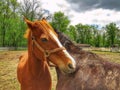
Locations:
10 55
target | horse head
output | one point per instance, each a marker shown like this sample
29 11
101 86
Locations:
47 46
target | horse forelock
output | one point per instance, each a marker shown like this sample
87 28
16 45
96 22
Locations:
27 33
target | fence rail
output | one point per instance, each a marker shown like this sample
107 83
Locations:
84 48
101 49
12 48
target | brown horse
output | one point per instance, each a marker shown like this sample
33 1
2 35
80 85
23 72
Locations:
43 45
92 72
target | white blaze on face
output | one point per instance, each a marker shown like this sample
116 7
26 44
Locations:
64 51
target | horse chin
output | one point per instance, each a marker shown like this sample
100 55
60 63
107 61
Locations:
66 71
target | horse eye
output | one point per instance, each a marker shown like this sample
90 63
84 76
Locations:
44 39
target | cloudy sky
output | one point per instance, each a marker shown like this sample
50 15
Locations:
99 12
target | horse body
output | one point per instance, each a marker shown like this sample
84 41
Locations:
92 72
33 74
43 46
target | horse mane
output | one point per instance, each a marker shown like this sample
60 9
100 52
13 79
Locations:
66 42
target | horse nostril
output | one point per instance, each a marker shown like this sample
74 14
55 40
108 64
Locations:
71 66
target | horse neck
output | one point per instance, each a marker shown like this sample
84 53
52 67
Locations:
36 64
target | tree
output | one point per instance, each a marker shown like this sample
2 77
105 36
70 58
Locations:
98 39
72 33
84 33
111 32
60 21
104 39
80 35
5 15
10 28
31 9
118 37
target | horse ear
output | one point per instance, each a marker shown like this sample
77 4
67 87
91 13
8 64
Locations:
29 23
44 19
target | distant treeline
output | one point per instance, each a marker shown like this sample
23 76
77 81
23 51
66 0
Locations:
12 26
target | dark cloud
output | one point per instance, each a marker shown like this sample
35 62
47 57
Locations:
84 5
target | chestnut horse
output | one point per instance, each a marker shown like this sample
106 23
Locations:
92 72
43 45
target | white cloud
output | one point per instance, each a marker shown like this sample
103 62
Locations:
54 5
98 16
95 16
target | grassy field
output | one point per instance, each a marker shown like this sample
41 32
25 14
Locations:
110 56
9 61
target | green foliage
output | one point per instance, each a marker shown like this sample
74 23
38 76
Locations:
10 26
72 33
15 33
84 33
111 31
60 21
87 34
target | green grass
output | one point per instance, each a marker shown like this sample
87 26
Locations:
9 61
110 56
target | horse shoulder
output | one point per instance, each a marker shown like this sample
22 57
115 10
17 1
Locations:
22 59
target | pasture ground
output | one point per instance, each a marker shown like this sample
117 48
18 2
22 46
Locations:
9 61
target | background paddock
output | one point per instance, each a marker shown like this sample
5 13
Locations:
9 61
